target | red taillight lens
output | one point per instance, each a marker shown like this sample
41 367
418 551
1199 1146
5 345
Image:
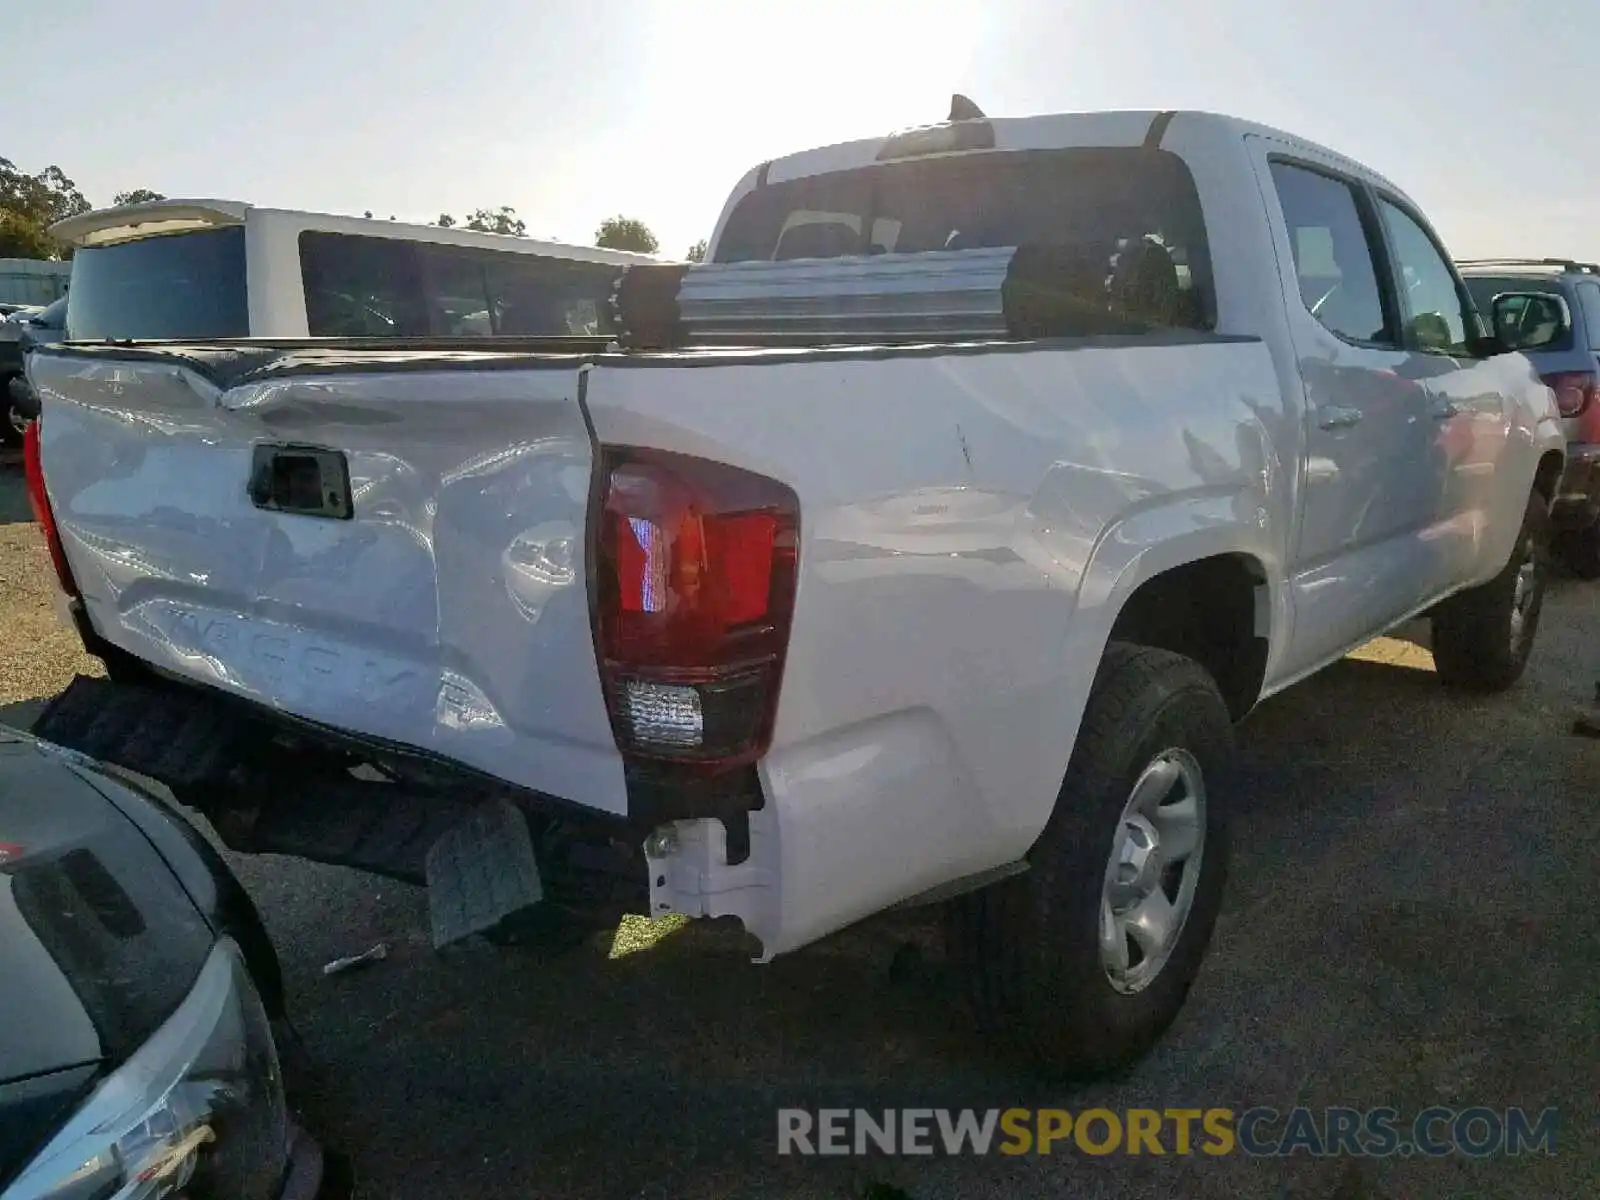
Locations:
694 593
39 501
1575 390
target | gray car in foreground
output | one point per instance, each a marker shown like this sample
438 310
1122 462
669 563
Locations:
141 1000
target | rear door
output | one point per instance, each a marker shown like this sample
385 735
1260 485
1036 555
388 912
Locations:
436 599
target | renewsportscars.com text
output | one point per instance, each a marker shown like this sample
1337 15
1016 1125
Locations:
1260 1132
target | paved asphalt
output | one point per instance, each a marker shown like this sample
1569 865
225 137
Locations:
1412 920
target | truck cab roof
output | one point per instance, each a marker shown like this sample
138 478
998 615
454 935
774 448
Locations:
1057 131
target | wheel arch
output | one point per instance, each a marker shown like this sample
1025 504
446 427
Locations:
1191 578
1209 610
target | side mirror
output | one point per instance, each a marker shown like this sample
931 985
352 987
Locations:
1530 320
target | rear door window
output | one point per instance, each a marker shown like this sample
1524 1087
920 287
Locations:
1335 256
181 285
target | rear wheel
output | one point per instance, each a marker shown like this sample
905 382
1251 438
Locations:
1482 637
1083 961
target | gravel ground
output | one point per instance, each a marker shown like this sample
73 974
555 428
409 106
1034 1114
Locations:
1411 920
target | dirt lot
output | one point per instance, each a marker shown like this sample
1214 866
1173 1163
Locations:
1412 921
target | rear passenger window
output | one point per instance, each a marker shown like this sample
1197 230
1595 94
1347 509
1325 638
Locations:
1333 257
1589 297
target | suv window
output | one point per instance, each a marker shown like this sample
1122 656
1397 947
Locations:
1334 259
1436 319
1085 207
1589 297
359 286
181 285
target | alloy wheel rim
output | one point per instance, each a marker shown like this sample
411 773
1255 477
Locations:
1153 871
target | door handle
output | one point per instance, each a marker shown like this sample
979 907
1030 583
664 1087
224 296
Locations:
1335 416
1445 409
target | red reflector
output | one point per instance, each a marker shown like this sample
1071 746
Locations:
39 501
694 590
1575 390
744 546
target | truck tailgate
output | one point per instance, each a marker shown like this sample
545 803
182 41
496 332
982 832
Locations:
441 605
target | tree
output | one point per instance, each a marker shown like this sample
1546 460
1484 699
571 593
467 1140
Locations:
445 221
626 233
499 220
137 196
697 252
22 238
30 204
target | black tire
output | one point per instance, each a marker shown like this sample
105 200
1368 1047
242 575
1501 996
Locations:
1579 551
1029 947
1479 643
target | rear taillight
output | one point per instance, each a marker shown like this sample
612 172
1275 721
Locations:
1575 390
39 501
694 586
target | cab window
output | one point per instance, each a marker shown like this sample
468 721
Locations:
1335 261
1437 320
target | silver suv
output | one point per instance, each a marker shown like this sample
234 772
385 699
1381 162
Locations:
1571 366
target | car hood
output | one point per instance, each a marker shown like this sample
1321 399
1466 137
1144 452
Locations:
99 943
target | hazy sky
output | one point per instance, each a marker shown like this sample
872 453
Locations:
570 110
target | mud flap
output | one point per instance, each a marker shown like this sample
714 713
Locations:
481 872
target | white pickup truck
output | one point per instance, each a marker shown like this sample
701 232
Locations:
921 546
